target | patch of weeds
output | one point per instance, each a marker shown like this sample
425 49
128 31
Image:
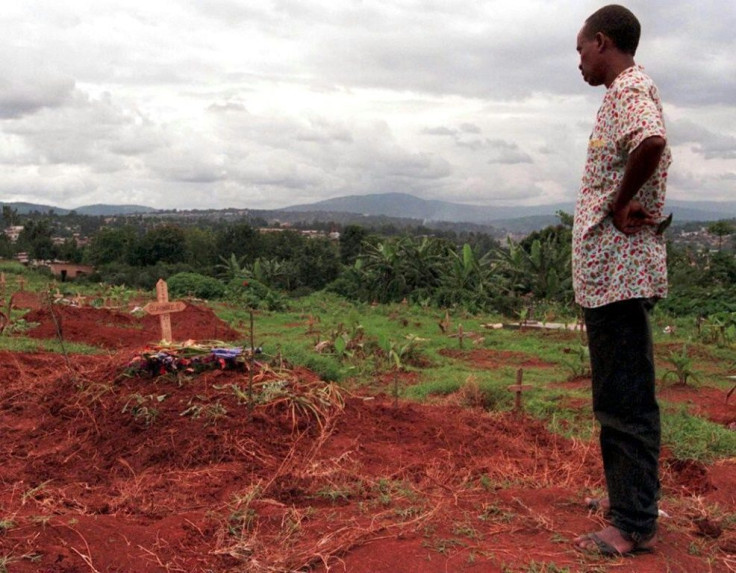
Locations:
335 494
386 491
19 326
141 407
6 524
535 567
695 548
210 412
241 521
577 361
486 482
558 538
465 530
383 490
242 518
442 545
729 521
291 524
94 391
494 513
407 513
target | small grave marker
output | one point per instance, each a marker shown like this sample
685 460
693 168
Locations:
163 307
2 285
21 283
519 388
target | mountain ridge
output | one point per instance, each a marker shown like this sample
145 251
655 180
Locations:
97 209
407 206
437 210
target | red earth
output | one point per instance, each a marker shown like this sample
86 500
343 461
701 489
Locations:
108 471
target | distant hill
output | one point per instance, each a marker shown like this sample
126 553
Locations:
405 205
25 208
96 210
107 210
511 218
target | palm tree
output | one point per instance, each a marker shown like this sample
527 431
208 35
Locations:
232 267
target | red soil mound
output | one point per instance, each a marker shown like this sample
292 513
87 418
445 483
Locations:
107 472
115 329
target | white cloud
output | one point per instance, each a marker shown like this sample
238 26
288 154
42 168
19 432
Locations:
221 103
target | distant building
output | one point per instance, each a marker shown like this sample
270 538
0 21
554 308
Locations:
69 270
13 232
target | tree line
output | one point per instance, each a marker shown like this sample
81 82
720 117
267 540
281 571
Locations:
444 269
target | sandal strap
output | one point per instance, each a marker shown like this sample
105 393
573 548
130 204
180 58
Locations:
638 537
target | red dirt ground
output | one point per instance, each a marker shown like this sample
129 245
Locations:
117 329
108 472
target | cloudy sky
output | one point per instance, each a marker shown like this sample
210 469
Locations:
269 103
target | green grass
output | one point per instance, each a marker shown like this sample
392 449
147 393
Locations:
690 437
443 375
26 344
290 337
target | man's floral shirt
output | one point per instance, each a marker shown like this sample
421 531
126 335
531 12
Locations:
609 266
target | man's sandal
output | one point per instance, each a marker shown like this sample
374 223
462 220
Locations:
641 544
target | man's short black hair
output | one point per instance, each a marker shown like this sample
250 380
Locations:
619 24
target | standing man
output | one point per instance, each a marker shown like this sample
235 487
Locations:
619 270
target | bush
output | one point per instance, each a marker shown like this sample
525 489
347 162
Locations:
120 274
253 294
193 284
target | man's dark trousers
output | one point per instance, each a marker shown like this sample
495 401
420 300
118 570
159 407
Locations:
625 405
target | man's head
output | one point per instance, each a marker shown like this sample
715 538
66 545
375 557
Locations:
607 40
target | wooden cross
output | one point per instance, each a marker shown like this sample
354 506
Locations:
21 283
732 390
164 308
518 388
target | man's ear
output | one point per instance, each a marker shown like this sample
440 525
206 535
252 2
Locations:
601 41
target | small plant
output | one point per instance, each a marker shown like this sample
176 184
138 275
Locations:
243 517
442 545
210 412
719 328
579 361
335 494
139 407
465 530
486 482
6 524
241 521
535 567
683 367
494 513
